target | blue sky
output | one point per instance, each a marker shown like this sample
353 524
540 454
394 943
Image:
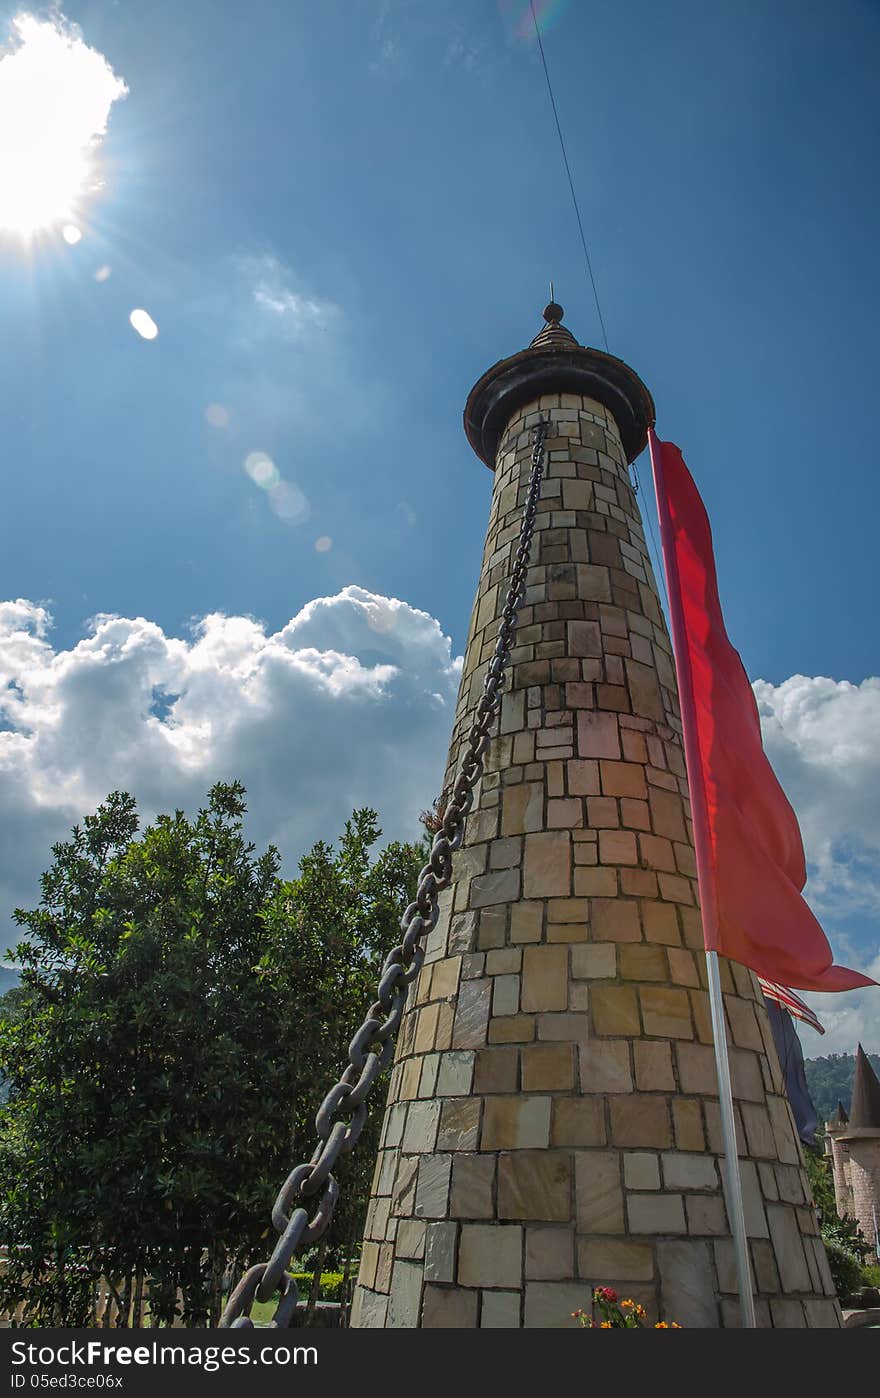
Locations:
338 216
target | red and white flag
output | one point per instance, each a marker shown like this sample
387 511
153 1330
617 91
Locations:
781 995
750 856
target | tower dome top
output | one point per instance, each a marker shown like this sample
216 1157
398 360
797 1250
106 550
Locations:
555 362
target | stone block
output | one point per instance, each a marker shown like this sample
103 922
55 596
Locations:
696 1069
666 1012
605 1066
655 1213
598 734
547 872
516 1123
578 1121
496 1070
440 1244
499 886
548 1067
583 777
759 1132
473 1180
641 962
549 1304
544 977
617 847
644 691
653 1064
505 995
410 1239
638 1119
549 1254
614 919
526 921
512 1029
490 1255
596 961
368 1310
615 1010
455 1074
459 1124
641 1170
406 1295
432 1191
522 808
788 1247
449 1308
420 1133
706 1214
472 1014
598 1192
535 1184
687 1284
682 1171
623 779
589 883
600 1258
500 1310
687 1123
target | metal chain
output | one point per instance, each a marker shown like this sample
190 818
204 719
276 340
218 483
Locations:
372 1047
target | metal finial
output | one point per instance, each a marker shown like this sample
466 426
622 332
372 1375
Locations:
553 313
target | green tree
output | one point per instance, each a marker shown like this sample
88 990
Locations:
183 1010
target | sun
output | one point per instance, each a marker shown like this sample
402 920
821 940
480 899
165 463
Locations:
55 98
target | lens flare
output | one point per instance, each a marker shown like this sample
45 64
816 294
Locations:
143 323
71 234
288 502
324 544
262 470
217 415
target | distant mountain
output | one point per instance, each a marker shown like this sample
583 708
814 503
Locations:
830 1080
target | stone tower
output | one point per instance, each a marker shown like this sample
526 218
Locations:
855 1153
552 1121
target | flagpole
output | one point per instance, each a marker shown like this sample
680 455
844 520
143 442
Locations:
708 907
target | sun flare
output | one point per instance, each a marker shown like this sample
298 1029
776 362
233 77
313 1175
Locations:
55 97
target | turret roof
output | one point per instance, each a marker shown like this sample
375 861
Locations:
865 1109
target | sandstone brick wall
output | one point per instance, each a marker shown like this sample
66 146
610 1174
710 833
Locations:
552 1122
864 1174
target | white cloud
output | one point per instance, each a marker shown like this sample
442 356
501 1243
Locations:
849 1019
283 306
823 739
349 704
55 99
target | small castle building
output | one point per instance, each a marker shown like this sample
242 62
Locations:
854 1146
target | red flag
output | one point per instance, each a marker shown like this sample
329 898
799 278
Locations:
750 856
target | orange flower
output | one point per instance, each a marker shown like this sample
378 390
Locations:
628 1304
661 1325
641 1312
675 1325
605 1325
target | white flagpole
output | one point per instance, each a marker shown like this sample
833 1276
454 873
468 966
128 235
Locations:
732 1180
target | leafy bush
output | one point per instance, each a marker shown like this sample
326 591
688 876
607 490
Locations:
331 1285
846 1270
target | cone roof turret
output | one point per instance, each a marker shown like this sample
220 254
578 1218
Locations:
865 1109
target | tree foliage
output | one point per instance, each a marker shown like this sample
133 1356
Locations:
182 1012
830 1080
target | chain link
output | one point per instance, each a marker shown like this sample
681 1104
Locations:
343 1112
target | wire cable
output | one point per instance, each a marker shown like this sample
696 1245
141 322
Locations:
577 211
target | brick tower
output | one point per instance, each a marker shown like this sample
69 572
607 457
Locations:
854 1146
552 1121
